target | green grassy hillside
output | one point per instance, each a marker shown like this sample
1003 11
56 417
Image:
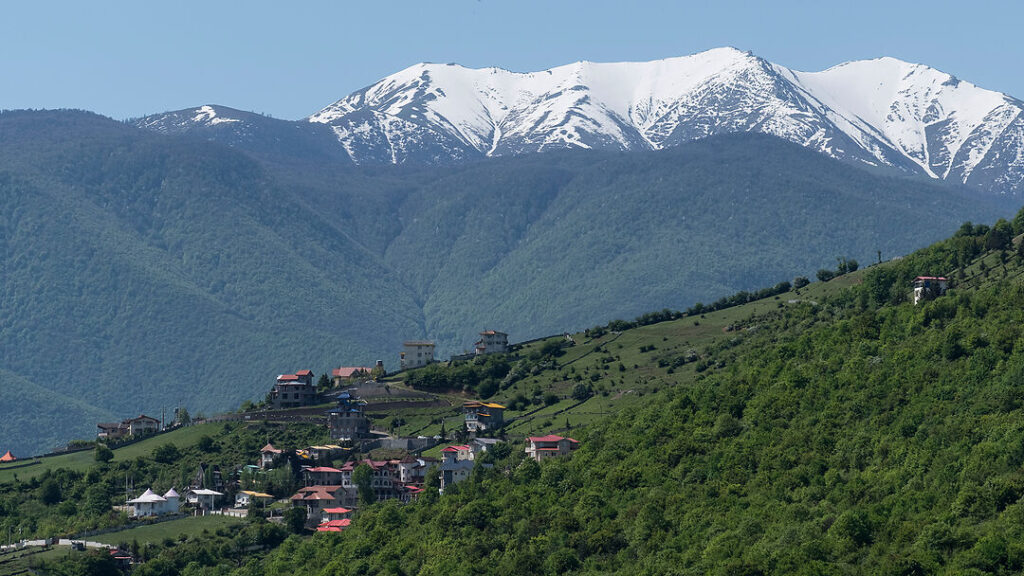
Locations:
848 433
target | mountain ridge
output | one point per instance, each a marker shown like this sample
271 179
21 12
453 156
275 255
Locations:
904 116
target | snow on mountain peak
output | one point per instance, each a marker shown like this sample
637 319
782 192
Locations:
208 115
882 111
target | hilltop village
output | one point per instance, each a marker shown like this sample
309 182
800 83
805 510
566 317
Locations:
320 451
361 464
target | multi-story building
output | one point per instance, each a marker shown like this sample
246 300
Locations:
416 353
492 342
482 416
542 447
347 420
456 465
929 287
293 390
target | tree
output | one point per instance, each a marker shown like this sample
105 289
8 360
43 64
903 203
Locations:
378 372
324 382
182 417
49 491
166 453
205 443
295 519
799 282
103 454
825 275
92 563
581 392
97 500
362 477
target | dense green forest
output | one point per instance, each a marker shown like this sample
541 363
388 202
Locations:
142 272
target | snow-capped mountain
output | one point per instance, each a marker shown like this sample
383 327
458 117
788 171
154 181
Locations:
881 112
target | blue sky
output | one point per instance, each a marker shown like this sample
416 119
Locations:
126 59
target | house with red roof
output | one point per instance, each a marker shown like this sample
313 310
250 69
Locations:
543 447
318 498
294 390
929 287
337 513
8 457
346 373
456 465
334 525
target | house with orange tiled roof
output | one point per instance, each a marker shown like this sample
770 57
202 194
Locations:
343 374
8 457
543 447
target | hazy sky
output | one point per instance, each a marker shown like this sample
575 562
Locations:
289 59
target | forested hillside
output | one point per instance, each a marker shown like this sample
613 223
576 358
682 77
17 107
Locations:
858 434
143 271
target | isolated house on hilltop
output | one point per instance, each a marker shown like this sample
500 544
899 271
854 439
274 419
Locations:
492 342
416 353
141 424
293 390
929 287
346 373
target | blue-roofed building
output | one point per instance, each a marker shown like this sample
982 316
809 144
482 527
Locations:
347 420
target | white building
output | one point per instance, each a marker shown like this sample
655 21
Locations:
152 504
203 498
416 353
929 287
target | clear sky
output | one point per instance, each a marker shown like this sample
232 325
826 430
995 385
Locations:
289 59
